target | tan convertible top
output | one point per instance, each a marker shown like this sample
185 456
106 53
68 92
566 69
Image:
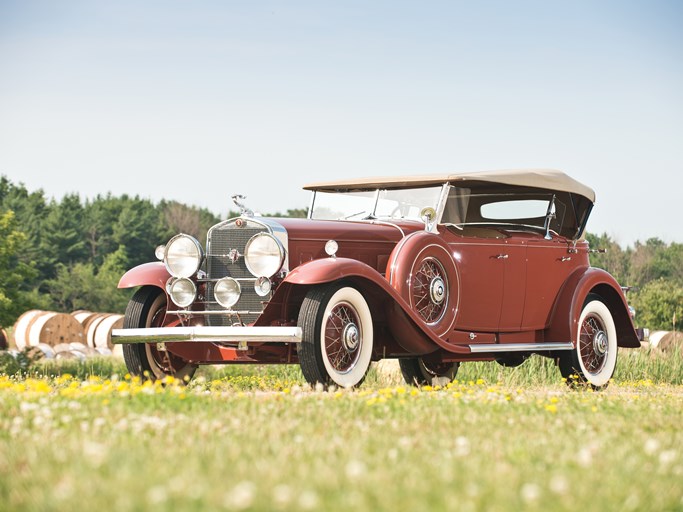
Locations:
537 178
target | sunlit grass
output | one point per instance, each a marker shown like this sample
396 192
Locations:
259 438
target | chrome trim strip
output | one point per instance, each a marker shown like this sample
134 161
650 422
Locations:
520 347
228 312
207 334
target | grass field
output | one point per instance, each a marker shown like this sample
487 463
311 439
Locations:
256 438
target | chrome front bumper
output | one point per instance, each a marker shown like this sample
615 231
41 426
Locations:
240 335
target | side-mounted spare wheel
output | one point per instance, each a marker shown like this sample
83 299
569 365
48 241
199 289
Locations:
336 347
595 357
147 308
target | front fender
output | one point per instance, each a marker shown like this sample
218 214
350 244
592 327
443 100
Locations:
153 274
567 310
327 270
407 326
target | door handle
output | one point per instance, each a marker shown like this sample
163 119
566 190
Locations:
565 258
502 257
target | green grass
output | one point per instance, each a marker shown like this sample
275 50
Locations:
255 438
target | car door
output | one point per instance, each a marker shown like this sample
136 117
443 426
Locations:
548 266
481 266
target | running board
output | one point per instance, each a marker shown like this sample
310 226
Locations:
520 347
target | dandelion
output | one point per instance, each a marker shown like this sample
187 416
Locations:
530 492
462 446
584 457
355 469
157 495
667 457
308 500
242 496
559 484
651 446
282 495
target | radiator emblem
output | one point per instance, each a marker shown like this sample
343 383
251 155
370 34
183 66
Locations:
233 255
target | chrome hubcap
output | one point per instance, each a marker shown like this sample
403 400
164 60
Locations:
600 343
350 337
437 290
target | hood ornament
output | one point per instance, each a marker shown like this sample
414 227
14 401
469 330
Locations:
238 199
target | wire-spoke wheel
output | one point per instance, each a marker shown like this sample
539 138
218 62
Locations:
429 290
595 357
418 372
337 336
147 308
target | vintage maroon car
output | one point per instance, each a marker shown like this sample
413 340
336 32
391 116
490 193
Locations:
430 270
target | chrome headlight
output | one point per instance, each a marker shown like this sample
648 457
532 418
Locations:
182 292
227 292
183 256
264 255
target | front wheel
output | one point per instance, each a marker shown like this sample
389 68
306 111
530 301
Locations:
595 357
336 347
147 308
418 372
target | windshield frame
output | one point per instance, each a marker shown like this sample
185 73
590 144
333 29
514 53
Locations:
370 214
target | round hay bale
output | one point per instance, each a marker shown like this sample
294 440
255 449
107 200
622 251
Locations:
102 351
117 351
84 317
21 328
71 354
92 327
102 331
61 347
4 339
671 341
53 328
388 371
656 337
80 347
47 350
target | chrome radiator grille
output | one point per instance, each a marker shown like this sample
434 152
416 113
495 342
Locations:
223 239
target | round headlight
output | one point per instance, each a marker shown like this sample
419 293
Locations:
262 286
182 292
227 292
183 256
264 255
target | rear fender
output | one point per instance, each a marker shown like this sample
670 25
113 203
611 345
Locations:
567 310
152 274
406 325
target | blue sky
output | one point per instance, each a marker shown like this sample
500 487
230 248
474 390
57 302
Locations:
196 101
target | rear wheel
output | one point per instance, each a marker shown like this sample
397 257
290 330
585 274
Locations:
595 357
147 308
418 372
336 347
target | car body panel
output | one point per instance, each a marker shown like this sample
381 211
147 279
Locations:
153 274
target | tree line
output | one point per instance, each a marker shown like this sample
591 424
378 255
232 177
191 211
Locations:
69 254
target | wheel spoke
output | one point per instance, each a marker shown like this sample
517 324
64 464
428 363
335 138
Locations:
421 290
593 360
341 357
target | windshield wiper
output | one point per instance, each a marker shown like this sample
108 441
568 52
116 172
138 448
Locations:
354 215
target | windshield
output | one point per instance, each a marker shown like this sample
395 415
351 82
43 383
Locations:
375 204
